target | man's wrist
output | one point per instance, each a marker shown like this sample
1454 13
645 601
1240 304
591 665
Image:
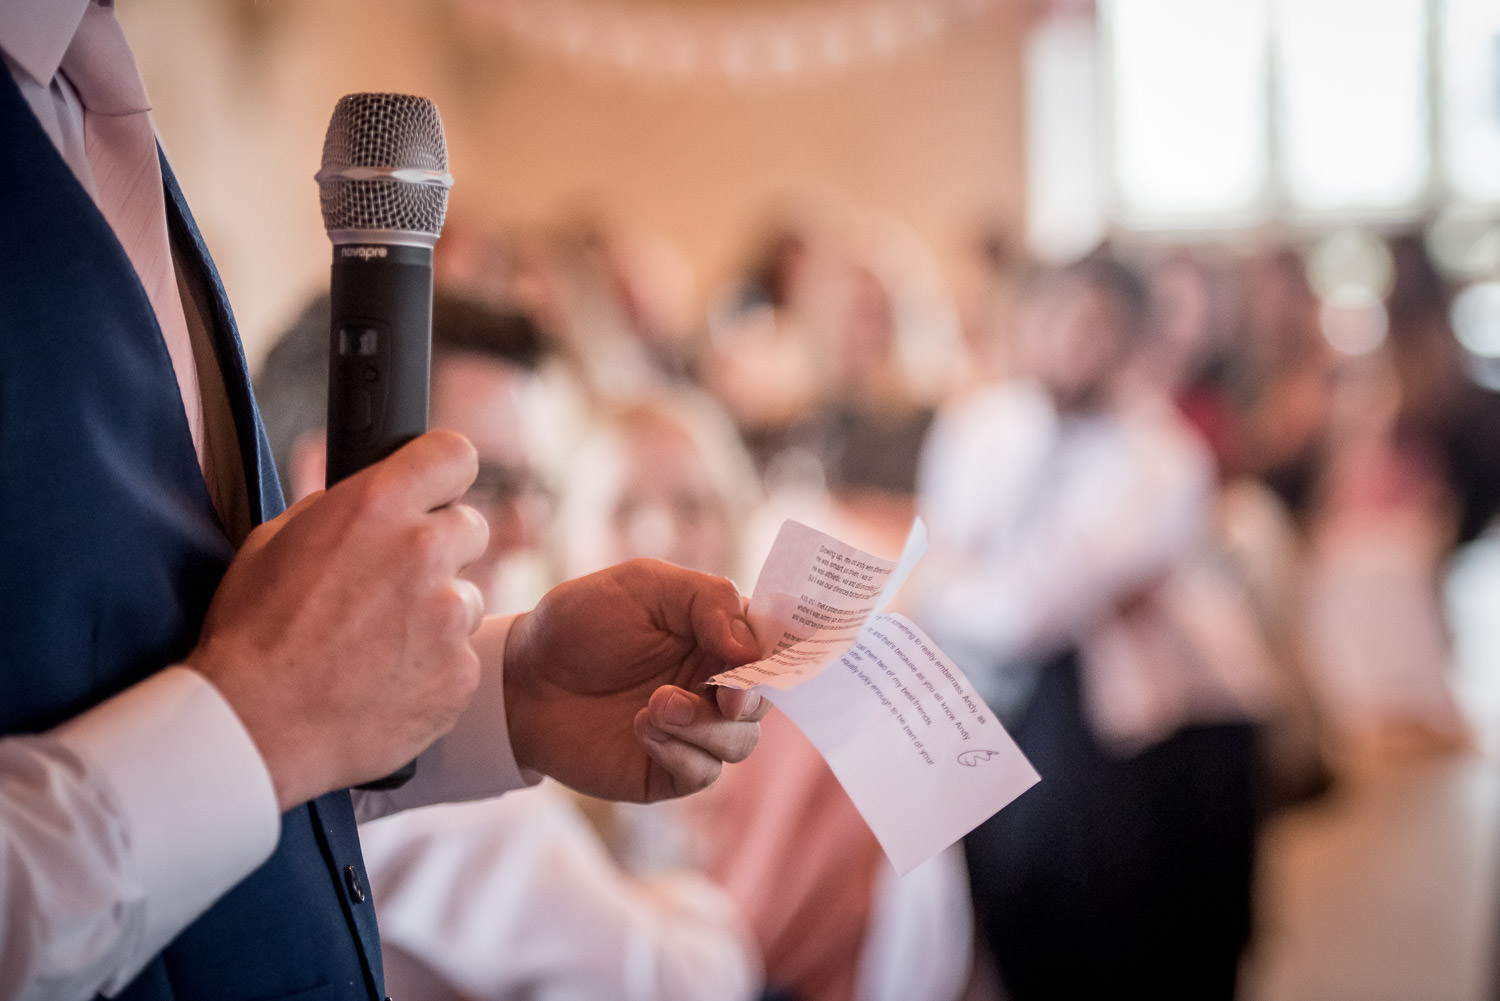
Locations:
279 756
188 781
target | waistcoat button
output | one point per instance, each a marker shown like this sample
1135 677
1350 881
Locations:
355 885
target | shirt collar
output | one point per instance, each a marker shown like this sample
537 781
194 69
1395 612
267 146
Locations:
34 34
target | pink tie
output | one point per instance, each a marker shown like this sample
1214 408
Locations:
120 144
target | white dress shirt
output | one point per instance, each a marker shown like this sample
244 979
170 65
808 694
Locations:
1046 528
1040 523
516 899
121 826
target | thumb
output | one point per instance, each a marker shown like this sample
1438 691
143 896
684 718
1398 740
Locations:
719 623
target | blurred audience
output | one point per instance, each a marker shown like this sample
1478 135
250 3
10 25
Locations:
1255 550
513 897
893 352
1389 509
1190 552
1279 378
831 355
764 358
614 298
664 477
988 281
1442 413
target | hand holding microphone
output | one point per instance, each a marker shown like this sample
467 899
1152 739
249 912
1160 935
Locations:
341 633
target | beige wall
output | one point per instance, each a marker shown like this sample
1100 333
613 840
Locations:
930 135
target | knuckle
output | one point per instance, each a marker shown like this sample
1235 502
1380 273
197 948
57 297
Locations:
451 610
645 568
469 527
479 526
453 679
425 543
721 588
467 669
370 496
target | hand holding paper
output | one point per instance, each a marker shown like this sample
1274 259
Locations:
921 756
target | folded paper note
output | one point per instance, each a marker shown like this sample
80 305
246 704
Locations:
921 756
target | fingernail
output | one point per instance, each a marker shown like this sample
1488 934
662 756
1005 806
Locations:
678 710
740 630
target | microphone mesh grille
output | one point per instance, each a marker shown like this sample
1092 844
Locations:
392 131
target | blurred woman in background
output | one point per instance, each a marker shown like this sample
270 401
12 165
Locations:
668 478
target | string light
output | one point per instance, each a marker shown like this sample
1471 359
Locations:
746 44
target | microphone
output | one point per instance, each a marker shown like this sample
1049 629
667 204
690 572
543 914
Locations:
383 186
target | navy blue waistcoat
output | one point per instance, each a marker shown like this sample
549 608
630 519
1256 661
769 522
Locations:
110 551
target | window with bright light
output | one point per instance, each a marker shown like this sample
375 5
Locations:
1351 105
1188 102
1470 99
1229 113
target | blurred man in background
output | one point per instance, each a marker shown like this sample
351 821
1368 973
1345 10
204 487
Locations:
1065 505
514 897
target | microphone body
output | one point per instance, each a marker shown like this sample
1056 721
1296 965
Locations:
384 188
380 347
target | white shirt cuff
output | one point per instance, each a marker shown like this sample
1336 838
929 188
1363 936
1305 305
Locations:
474 760
195 798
